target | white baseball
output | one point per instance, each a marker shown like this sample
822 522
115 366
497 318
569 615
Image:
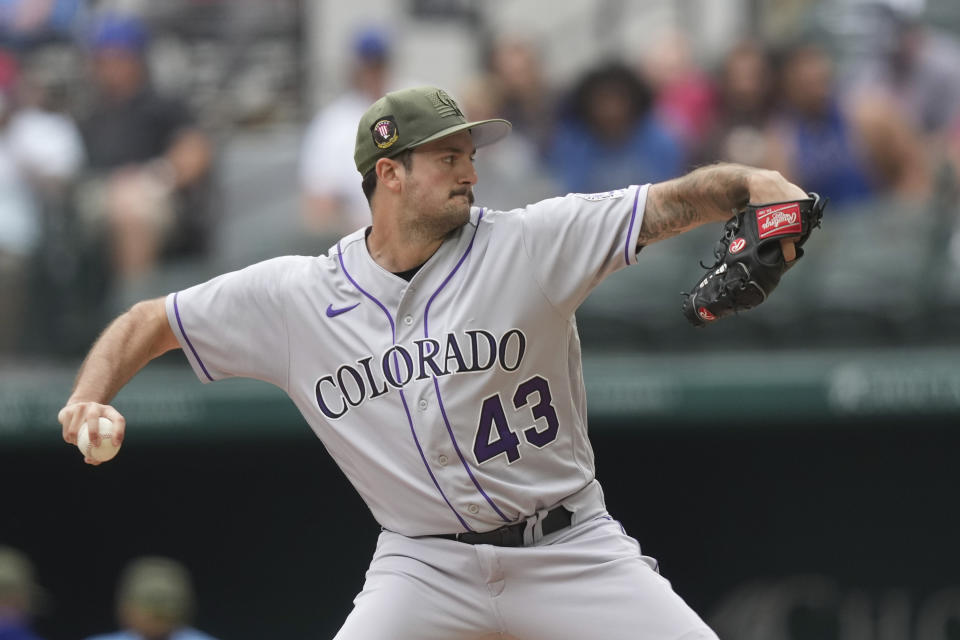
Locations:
106 450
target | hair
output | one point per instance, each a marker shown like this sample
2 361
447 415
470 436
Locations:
612 74
369 183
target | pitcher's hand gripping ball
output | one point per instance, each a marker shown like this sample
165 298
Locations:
101 453
749 261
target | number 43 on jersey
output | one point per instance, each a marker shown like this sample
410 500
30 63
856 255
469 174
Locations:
493 418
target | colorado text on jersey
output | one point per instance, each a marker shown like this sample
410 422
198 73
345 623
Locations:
354 383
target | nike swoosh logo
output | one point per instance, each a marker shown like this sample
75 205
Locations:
333 313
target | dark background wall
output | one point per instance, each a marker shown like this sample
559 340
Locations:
832 531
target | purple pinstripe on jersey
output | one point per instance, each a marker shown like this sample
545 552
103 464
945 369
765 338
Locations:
436 384
176 311
403 399
633 217
426 311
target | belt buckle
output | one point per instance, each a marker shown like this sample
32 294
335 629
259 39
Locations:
512 535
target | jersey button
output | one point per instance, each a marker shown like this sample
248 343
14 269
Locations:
442 460
474 509
408 320
423 405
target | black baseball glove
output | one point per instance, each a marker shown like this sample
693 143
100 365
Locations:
749 261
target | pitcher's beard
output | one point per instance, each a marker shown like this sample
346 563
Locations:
452 215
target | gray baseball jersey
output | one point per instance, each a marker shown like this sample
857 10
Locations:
453 402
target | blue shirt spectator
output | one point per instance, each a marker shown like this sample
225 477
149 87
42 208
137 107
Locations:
852 148
825 158
611 136
585 163
20 595
16 629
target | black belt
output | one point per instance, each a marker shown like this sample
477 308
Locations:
511 535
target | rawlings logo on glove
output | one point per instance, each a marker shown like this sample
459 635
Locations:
749 261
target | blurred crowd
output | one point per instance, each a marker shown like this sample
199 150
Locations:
154 600
95 193
882 125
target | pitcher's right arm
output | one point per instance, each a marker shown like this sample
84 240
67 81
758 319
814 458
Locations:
131 341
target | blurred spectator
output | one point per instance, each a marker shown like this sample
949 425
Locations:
524 98
155 601
25 22
953 145
848 151
43 153
333 202
916 67
46 140
512 86
20 225
512 170
745 86
150 165
20 596
685 97
611 137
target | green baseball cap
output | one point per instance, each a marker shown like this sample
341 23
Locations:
159 585
408 118
17 578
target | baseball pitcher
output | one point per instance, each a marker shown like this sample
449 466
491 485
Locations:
435 354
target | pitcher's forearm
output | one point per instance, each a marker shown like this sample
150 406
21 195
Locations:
708 194
126 346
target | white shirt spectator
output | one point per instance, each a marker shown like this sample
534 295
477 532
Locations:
326 165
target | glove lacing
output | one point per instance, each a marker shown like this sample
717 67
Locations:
722 245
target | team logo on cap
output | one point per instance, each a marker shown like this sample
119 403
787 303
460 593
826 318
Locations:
385 132
445 105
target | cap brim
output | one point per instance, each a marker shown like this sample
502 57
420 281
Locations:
484 132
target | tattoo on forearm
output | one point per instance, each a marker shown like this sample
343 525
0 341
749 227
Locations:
706 195
667 214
